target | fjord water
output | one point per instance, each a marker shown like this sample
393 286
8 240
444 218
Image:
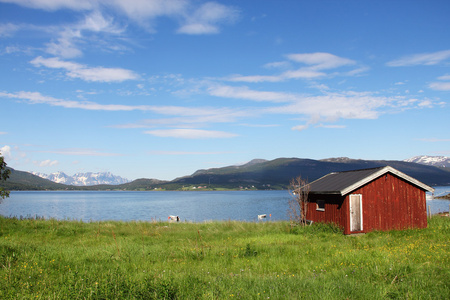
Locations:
146 206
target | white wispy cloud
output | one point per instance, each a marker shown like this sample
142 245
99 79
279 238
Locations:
187 153
331 126
190 133
185 116
315 122
72 38
300 127
8 29
316 66
81 152
303 73
426 59
254 78
98 22
206 18
434 140
1 132
46 163
335 105
320 60
277 65
194 18
197 119
5 151
440 86
244 92
444 77
52 5
186 121
146 13
83 72
259 125
38 98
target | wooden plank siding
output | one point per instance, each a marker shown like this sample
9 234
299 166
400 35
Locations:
388 202
332 212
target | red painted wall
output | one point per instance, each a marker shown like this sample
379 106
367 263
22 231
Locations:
388 202
334 208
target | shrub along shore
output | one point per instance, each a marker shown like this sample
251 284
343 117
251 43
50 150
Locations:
52 259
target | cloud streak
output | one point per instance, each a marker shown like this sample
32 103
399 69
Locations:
321 60
190 133
206 114
198 119
244 92
193 18
81 152
95 74
55 4
330 106
38 98
317 64
8 29
186 153
441 86
433 140
46 163
206 18
188 117
93 28
426 59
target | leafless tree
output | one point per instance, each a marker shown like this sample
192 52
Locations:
298 205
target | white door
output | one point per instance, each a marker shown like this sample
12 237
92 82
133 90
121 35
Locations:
356 220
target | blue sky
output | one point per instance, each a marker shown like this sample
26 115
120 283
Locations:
160 89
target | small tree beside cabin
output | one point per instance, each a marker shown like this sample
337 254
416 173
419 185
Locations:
4 174
298 205
370 199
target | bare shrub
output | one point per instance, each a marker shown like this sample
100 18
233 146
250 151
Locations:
298 205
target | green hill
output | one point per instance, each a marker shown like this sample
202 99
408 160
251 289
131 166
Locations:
19 180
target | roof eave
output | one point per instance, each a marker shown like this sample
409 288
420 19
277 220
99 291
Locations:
326 193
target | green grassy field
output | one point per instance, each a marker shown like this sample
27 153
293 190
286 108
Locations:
50 259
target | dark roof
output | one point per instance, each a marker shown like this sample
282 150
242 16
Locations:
345 182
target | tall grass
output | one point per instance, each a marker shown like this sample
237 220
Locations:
54 259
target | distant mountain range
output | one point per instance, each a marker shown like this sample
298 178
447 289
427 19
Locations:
277 173
437 161
257 174
84 179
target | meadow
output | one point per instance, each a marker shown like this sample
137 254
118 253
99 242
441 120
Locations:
53 259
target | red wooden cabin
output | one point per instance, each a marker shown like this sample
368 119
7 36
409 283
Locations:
370 199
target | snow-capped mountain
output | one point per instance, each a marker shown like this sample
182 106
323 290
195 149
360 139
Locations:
84 179
58 177
437 161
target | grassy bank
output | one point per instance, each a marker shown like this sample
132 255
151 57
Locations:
219 260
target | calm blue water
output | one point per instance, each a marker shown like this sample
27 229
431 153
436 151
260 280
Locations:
147 206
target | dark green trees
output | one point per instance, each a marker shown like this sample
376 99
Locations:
4 174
